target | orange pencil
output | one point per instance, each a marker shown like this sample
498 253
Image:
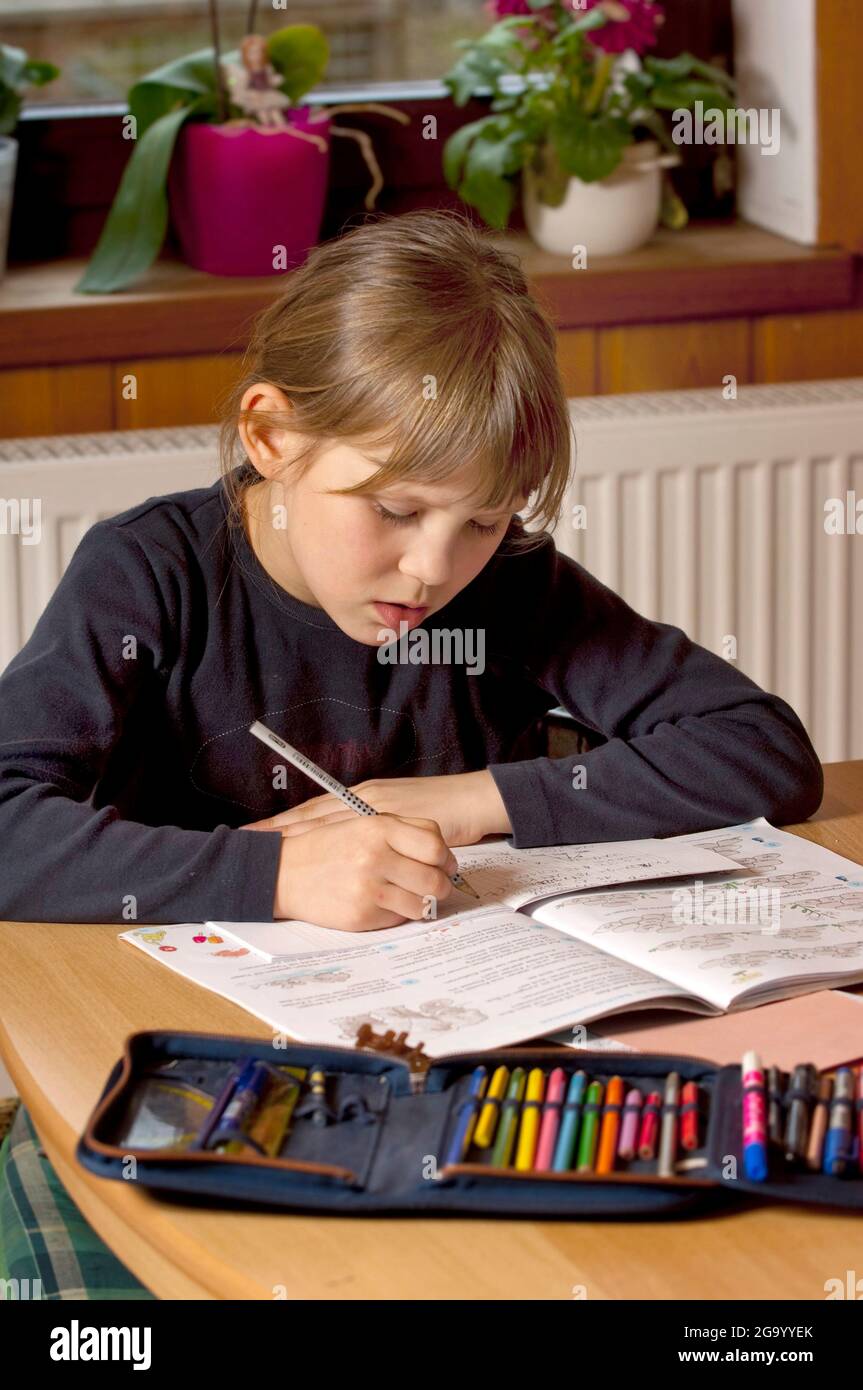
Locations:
610 1125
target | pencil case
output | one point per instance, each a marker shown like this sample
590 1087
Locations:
388 1131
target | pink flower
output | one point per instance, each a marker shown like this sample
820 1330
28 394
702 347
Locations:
630 24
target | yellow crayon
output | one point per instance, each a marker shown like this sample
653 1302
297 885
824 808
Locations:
490 1114
531 1111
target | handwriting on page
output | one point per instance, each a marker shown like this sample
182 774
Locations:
514 877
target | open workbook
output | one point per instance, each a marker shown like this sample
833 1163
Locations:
706 923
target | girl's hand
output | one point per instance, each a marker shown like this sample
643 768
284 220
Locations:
370 872
465 805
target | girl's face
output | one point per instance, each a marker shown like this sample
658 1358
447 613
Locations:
376 560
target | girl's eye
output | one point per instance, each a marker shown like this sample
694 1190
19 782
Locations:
400 519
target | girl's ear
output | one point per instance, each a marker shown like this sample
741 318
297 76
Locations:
266 444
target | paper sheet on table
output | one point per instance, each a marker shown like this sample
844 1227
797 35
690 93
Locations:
824 1028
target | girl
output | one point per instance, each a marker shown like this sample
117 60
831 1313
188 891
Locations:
400 404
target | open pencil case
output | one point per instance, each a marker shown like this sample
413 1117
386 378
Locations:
383 1146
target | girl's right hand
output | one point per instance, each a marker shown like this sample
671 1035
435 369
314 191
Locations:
364 873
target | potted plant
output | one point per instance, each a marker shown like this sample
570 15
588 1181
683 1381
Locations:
17 72
577 110
223 142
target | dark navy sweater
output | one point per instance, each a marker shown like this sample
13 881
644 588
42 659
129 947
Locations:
126 764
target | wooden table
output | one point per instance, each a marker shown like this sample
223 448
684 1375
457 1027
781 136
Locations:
70 994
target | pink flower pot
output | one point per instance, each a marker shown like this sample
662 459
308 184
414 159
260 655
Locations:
238 195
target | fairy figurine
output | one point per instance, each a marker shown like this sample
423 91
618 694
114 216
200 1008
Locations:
255 85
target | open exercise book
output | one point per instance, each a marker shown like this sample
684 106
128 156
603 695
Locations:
708 923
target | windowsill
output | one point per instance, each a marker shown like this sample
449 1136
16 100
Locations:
705 272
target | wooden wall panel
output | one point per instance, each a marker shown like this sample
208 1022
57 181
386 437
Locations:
55 400
576 357
673 356
172 390
810 347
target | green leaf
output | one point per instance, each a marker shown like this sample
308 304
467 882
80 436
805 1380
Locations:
589 149
675 69
492 196
456 147
183 79
10 110
12 64
135 227
669 69
300 52
678 95
37 73
593 19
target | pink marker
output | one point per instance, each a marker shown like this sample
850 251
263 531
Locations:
550 1120
629 1127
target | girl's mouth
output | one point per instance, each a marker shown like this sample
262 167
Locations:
393 614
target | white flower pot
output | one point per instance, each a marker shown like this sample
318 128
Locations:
610 217
8 160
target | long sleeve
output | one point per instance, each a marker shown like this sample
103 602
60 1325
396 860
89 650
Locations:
690 742
93 672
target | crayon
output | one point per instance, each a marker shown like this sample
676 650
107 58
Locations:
754 1117
818 1127
570 1122
467 1116
551 1113
629 1126
528 1134
589 1128
689 1116
490 1114
610 1127
503 1145
649 1126
668 1128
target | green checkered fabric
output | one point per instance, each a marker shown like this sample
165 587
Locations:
47 1249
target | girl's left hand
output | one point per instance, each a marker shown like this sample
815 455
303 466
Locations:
466 806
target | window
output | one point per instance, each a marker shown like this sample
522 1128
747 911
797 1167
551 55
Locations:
103 46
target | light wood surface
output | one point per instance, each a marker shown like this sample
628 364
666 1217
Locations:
69 996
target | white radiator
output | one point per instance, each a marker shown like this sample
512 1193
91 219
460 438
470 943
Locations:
710 514
701 512
79 479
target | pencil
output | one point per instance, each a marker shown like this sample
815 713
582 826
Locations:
331 784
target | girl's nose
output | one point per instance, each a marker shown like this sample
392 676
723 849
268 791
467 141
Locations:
428 564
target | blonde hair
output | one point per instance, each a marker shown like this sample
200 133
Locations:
415 331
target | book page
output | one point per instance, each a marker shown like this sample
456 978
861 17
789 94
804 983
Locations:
793 923
484 981
509 877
